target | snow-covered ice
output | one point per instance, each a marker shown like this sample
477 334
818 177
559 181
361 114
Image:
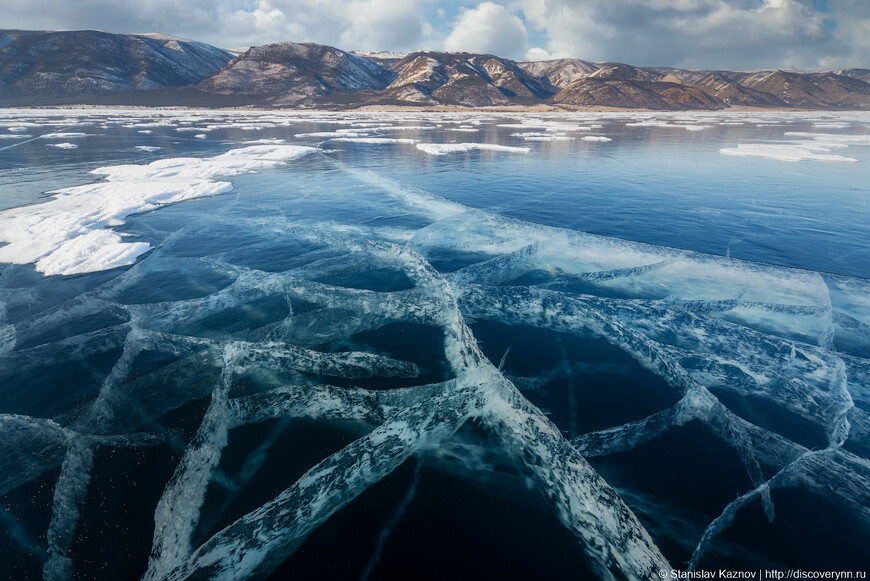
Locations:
63 135
375 140
445 148
785 152
71 234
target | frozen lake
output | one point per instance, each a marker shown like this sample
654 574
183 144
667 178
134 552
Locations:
432 345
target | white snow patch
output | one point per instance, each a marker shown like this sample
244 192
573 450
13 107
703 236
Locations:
552 126
63 135
654 123
242 126
70 234
831 125
596 138
533 136
832 140
445 148
784 152
376 140
400 127
149 124
328 134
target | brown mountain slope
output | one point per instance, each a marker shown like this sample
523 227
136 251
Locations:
561 72
465 79
57 68
735 94
36 65
635 95
289 73
824 90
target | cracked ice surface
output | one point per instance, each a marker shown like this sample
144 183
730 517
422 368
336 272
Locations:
286 323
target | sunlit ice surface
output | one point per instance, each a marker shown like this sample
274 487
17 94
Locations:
419 345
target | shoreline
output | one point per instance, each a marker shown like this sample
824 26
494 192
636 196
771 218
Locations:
426 109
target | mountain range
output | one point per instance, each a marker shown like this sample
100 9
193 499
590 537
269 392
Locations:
100 68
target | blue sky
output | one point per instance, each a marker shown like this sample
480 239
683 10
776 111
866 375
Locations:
732 34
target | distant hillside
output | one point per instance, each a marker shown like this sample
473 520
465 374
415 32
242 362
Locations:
68 65
621 85
287 74
53 68
465 79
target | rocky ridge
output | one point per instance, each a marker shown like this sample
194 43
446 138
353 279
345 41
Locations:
51 68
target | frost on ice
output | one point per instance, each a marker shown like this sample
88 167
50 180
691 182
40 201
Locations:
708 328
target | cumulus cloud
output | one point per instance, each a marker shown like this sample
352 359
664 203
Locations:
703 33
489 28
351 24
692 33
537 54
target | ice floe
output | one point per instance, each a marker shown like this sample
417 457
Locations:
71 235
445 148
785 152
330 134
656 123
62 135
375 140
534 136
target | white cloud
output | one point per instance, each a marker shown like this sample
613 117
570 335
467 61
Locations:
490 28
537 54
351 24
701 33
384 24
705 33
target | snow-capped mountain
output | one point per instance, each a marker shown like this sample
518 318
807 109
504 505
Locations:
626 86
46 65
288 73
465 79
41 67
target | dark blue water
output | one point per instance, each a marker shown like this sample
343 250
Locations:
371 362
